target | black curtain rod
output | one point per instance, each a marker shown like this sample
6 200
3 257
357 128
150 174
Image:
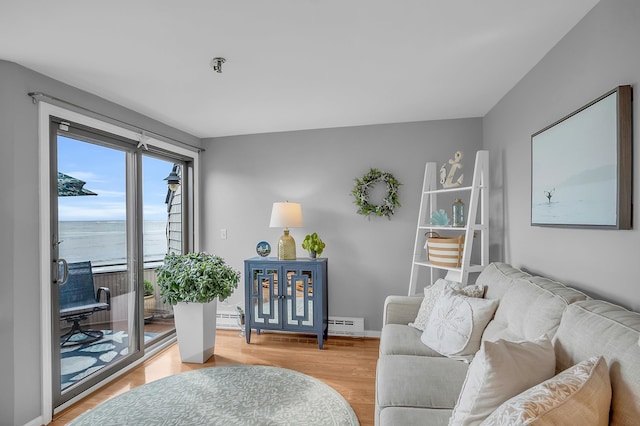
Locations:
36 95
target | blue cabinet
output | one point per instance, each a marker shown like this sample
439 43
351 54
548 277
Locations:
286 295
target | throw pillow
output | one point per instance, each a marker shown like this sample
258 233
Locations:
472 291
456 324
580 395
499 371
431 295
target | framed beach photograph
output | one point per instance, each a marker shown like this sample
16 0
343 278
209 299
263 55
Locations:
581 166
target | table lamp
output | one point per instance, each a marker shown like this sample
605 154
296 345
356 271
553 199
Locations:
286 215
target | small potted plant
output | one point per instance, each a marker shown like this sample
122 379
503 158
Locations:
313 244
148 288
191 283
149 299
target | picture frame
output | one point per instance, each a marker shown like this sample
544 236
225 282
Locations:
581 166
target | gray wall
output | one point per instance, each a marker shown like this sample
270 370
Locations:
20 351
368 259
597 55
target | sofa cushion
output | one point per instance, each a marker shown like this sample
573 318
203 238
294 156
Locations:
497 277
498 372
456 324
594 327
531 307
404 416
399 339
418 381
580 395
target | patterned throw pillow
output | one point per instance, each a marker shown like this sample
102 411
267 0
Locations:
472 291
580 395
456 324
432 294
499 371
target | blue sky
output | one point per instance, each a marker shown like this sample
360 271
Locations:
103 170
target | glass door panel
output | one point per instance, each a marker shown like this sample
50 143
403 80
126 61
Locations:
299 298
266 300
162 233
94 302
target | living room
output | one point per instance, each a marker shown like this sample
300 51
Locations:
368 259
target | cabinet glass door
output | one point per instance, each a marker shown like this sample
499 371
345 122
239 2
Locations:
265 298
299 297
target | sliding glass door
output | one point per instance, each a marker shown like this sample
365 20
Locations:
94 257
163 230
113 219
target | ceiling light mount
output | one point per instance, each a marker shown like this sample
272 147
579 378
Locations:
216 64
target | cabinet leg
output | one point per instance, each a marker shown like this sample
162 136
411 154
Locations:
247 334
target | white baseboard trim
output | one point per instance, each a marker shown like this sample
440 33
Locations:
367 333
39 421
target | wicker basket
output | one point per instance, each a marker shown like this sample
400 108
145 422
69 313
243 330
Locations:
443 251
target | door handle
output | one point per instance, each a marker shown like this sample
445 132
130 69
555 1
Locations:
65 271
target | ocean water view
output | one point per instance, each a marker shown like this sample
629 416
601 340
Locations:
104 242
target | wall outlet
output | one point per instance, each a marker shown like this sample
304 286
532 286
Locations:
223 233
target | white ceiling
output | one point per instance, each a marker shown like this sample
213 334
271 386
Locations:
291 64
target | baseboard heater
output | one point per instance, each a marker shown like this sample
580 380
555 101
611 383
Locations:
338 326
227 320
346 326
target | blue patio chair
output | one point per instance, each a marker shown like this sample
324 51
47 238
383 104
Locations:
78 300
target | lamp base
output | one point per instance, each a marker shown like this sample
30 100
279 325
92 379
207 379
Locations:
286 247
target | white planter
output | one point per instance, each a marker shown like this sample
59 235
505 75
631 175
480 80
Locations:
196 330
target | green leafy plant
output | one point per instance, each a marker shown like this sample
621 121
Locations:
360 194
195 277
313 243
148 288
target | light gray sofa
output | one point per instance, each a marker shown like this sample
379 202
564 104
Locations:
417 386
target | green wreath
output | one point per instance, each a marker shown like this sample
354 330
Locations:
361 194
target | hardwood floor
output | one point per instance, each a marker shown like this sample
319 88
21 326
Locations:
346 364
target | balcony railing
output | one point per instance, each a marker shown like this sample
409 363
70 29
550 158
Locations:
115 278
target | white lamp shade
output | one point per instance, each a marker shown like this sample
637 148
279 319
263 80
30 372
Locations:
286 215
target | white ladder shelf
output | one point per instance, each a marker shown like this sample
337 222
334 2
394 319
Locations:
474 225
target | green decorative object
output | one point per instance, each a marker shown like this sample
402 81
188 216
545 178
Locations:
195 277
313 244
458 212
361 194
